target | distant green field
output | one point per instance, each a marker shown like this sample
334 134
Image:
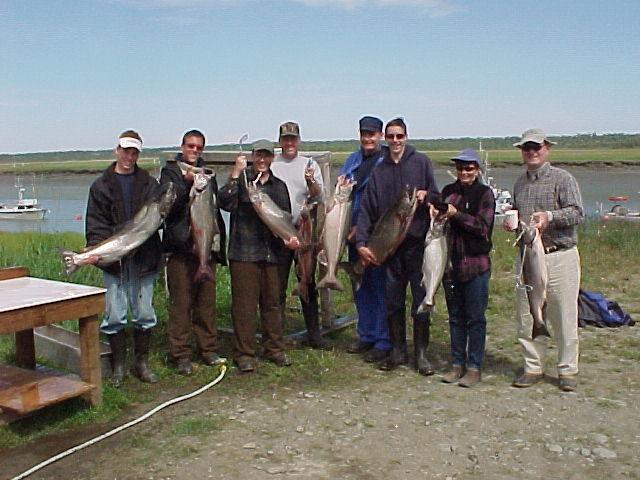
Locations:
604 156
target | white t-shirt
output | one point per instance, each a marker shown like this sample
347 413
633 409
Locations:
291 172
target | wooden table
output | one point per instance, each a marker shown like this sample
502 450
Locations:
26 303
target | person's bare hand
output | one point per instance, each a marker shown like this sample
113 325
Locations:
421 195
367 256
239 166
540 220
352 235
292 243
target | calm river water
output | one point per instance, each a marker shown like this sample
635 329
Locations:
65 195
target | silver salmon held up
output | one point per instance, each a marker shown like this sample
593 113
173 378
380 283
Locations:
434 263
534 277
277 220
337 222
133 233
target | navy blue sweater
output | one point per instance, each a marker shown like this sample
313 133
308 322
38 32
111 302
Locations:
386 184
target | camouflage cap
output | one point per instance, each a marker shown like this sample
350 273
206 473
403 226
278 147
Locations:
263 145
289 129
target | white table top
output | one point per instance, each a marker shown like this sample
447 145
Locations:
23 292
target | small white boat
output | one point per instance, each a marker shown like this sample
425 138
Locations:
618 213
503 197
23 209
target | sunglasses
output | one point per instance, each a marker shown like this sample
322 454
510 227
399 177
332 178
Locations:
527 147
465 168
395 136
194 146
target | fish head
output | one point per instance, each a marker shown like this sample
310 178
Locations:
166 198
254 193
200 183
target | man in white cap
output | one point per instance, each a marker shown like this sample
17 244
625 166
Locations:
549 198
114 198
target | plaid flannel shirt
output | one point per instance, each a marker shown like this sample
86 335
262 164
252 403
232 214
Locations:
551 189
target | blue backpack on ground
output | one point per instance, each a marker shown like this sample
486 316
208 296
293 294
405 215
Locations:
595 309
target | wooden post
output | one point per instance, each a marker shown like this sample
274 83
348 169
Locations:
25 349
90 370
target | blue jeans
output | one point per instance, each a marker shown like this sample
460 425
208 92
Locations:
125 291
372 315
466 303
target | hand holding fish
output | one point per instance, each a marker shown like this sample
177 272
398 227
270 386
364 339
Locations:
367 256
239 166
540 220
421 195
293 243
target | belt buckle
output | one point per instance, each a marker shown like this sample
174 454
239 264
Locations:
551 249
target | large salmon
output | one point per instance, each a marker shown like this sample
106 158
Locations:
534 277
205 232
337 222
390 231
277 220
434 262
133 233
306 252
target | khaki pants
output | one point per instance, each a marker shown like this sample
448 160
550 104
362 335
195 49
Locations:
253 284
561 313
192 306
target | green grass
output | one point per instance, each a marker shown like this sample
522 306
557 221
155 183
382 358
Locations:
608 255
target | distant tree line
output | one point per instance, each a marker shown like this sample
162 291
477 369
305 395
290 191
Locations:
580 141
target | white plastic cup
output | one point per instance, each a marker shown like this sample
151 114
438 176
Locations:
511 219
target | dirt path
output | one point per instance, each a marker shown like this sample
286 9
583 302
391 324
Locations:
386 425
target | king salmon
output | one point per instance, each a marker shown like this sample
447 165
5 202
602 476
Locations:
277 220
133 233
306 251
534 277
337 221
205 232
434 262
389 232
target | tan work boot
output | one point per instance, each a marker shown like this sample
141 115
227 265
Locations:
453 375
470 378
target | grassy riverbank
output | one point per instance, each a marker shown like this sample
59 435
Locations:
604 157
608 256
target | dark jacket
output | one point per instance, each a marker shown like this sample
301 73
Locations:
386 184
250 239
176 237
106 215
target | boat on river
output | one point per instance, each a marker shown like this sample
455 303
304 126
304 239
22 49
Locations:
618 212
503 197
23 209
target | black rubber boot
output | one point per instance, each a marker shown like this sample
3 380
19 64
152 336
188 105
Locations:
141 369
314 339
420 344
398 340
118 344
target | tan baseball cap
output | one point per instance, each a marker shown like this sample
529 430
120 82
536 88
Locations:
534 135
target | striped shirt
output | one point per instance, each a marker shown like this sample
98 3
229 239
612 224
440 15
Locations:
551 189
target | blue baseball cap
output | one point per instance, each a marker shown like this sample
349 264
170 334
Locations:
370 124
467 155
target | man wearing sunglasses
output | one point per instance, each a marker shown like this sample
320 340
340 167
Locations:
373 332
403 167
192 305
549 198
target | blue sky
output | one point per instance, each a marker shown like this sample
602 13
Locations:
76 73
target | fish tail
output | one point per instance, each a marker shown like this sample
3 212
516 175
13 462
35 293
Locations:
355 274
203 273
425 307
68 264
330 281
540 329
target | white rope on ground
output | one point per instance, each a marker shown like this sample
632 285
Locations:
123 427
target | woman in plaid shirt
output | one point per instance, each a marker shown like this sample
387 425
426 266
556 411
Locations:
471 211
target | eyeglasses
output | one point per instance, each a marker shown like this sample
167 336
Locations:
531 146
395 136
194 146
465 168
